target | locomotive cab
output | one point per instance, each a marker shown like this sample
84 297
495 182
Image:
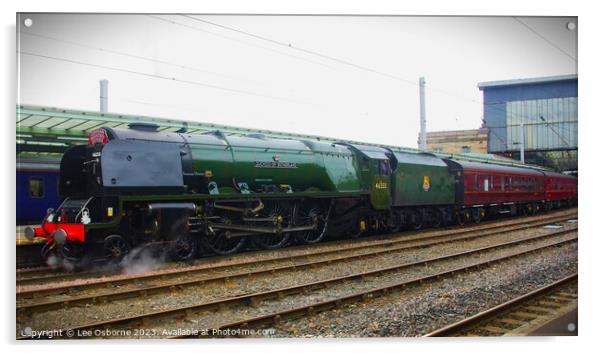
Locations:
375 173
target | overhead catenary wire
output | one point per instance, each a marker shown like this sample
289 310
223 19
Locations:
335 59
545 39
172 79
190 82
135 56
316 53
324 56
303 50
183 25
328 57
163 62
287 45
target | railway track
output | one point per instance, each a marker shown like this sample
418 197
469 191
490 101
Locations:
39 276
180 313
29 300
518 315
30 269
28 257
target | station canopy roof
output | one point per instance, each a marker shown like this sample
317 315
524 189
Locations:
48 132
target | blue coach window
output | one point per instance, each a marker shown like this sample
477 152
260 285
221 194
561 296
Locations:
36 187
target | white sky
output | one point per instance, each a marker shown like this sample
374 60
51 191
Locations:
281 88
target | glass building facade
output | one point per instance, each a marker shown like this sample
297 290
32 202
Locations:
544 110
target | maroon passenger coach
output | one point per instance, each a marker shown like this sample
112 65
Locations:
484 188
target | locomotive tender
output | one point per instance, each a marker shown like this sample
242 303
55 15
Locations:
138 186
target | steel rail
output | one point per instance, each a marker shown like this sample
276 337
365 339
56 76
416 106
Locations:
129 293
501 309
285 257
307 310
488 225
304 288
26 270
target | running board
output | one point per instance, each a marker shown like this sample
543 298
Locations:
264 230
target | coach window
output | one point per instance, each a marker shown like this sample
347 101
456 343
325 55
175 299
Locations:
36 187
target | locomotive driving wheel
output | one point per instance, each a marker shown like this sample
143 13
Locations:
115 247
221 241
72 251
280 214
73 255
184 247
311 214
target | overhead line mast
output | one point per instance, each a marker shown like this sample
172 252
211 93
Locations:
422 145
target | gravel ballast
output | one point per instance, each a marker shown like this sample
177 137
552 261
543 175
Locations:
79 315
418 311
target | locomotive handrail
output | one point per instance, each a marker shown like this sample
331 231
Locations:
57 209
82 208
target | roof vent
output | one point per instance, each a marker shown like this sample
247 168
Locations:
217 133
257 136
143 126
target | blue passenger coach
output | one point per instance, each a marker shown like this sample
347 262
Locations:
37 188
